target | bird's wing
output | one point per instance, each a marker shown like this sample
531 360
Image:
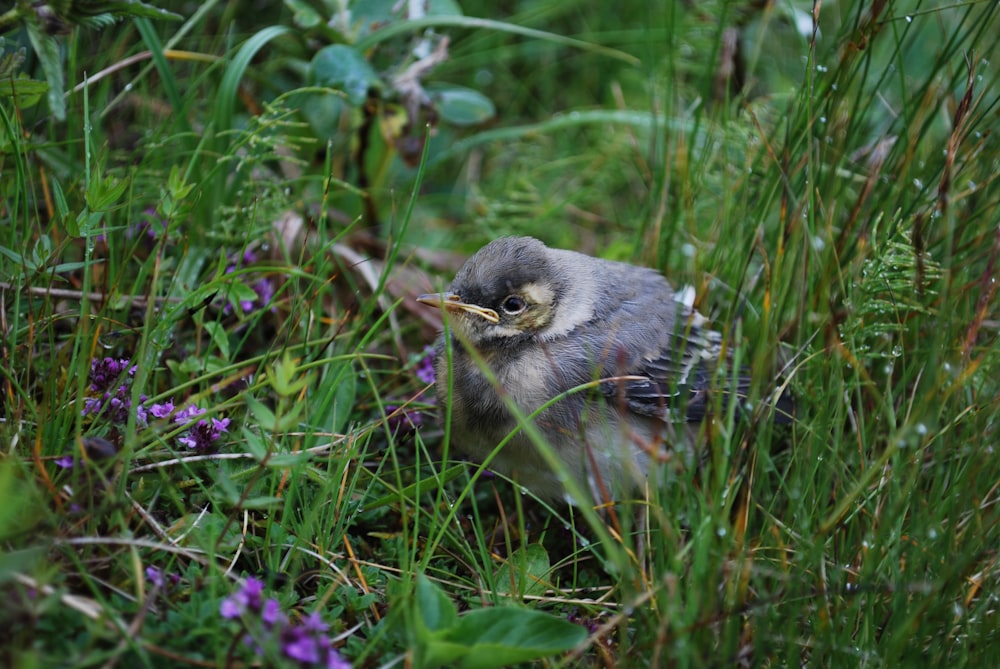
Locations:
675 383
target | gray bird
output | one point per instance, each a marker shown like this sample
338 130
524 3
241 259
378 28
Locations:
544 321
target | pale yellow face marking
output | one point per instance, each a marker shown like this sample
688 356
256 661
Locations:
538 294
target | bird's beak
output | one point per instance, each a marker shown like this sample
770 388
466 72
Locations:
452 302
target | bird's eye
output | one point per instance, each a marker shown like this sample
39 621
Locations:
513 305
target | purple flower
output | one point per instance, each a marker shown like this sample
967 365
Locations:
160 579
265 291
248 257
425 367
155 576
306 642
112 380
248 599
162 410
106 372
230 609
202 435
66 462
186 414
298 644
335 661
271 614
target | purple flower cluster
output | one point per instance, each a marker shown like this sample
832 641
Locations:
306 642
261 285
200 436
111 382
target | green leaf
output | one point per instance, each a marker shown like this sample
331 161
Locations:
104 192
340 66
17 259
435 612
304 16
525 572
262 413
461 106
47 50
504 636
331 403
262 502
28 91
229 86
285 377
254 443
17 562
372 15
240 292
219 337
22 507
286 460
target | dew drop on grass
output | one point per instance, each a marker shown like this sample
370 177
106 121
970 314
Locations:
909 19
721 531
932 533
921 429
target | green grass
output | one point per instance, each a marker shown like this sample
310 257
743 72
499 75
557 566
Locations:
836 208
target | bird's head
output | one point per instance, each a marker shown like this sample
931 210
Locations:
510 289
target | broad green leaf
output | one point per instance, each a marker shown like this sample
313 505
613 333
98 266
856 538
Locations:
461 106
47 50
341 67
262 413
372 15
254 443
525 572
435 612
504 636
